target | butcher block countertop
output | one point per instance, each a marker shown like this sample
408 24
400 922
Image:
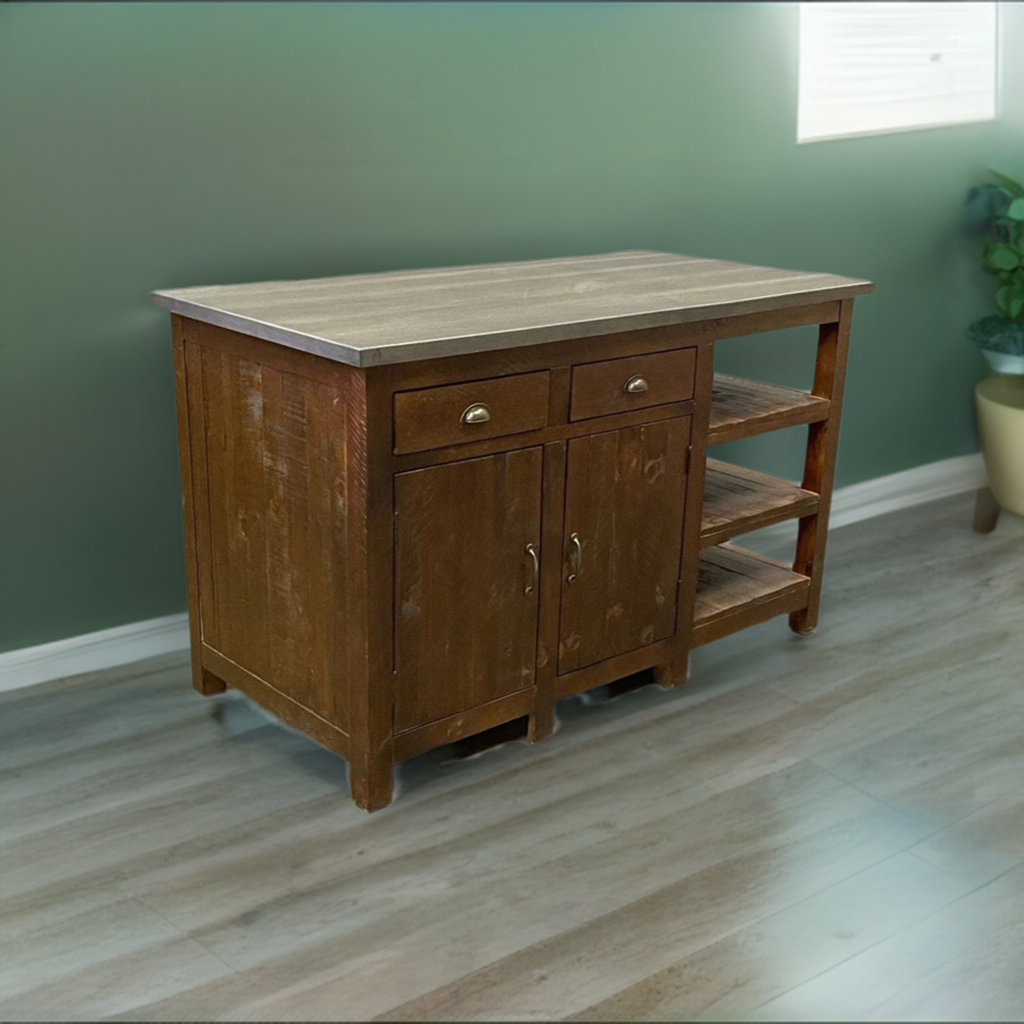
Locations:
403 316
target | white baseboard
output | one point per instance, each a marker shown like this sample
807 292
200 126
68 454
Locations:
891 493
93 652
904 490
122 645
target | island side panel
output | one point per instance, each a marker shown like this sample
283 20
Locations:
274 452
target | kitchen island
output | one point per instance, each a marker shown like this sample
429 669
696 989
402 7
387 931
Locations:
422 504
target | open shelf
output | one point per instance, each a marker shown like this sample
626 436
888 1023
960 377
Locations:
737 588
740 408
738 500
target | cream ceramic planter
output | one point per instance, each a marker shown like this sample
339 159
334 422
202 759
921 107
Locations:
1000 402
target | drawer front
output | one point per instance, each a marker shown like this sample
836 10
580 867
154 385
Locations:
460 413
636 382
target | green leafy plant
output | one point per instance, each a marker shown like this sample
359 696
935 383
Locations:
997 212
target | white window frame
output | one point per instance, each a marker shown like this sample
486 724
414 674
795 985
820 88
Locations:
843 91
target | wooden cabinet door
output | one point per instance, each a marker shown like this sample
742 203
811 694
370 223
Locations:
465 584
625 494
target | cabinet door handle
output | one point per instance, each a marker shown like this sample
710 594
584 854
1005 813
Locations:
636 385
531 550
575 556
478 413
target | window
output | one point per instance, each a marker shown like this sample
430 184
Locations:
869 68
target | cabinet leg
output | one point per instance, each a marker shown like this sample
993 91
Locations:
673 674
209 684
542 722
372 783
804 621
986 511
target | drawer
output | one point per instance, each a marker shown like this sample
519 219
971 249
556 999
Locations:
460 413
636 382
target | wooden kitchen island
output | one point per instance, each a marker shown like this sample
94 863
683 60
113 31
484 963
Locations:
422 504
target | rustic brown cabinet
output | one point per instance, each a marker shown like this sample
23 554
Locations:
419 505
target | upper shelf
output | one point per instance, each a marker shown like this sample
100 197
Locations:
401 316
741 408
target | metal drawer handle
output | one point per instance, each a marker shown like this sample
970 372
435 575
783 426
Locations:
532 552
636 385
478 413
575 557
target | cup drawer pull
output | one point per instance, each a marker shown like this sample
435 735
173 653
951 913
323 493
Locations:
636 385
478 413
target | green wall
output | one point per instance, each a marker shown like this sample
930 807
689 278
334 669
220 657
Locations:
161 145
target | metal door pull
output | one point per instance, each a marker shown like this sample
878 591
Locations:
478 413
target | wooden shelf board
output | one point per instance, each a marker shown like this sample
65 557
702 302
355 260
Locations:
741 408
738 588
738 500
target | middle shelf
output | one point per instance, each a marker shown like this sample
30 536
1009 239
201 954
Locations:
738 500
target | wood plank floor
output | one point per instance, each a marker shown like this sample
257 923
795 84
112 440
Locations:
828 827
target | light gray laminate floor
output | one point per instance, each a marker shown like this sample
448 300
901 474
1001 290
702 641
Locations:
829 827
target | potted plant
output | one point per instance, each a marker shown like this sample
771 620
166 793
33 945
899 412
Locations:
997 211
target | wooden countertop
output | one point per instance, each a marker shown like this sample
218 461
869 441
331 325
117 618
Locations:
371 319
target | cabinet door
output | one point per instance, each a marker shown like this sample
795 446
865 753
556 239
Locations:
465 584
625 494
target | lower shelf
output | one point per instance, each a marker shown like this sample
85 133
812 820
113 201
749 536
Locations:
737 588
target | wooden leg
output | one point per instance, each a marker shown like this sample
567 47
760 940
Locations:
820 463
986 511
542 721
209 684
805 621
674 674
372 783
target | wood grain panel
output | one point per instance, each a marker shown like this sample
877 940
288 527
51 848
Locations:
234 441
598 389
625 492
274 450
465 627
